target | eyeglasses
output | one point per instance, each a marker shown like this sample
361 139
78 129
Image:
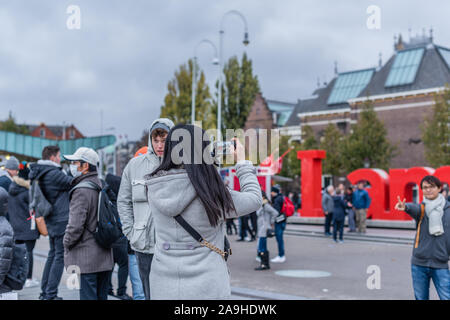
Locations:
429 187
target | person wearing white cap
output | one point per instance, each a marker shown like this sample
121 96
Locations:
80 247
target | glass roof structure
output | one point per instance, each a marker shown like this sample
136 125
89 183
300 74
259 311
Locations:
349 85
404 68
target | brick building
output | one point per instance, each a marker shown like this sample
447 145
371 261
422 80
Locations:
402 92
55 132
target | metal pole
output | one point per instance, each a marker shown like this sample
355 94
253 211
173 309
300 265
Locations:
219 103
194 80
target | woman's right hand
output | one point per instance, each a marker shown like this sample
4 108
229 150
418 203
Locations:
400 205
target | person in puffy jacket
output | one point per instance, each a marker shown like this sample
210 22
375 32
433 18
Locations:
6 243
266 217
24 226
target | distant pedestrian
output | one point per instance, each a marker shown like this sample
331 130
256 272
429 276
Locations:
266 217
95 263
231 226
55 185
361 202
120 247
350 210
280 223
339 207
245 233
431 250
328 207
22 221
11 170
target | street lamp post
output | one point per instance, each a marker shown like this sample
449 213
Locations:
194 74
245 42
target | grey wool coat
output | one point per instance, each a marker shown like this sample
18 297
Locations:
80 247
266 216
181 268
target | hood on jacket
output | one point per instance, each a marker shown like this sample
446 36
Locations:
19 185
171 191
165 121
38 168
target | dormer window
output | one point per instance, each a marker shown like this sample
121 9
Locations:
42 133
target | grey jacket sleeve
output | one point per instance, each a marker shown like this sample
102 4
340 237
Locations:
249 199
413 210
273 213
125 203
324 203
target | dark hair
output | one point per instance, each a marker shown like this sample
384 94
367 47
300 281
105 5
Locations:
49 151
205 178
91 168
431 180
158 133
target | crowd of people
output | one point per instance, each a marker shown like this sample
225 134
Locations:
165 221
337 203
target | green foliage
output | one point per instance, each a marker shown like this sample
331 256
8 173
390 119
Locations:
11 126
367 143
331 142
178 101
239 89
436 132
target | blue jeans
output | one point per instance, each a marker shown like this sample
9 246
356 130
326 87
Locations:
54 268
351 219
136 283
262 244
421 282
279 229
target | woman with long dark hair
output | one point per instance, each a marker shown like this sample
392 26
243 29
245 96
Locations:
188 185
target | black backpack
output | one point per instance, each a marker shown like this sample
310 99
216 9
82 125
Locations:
109 228
17 274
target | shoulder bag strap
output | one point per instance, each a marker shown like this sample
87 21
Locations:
422 213
194 234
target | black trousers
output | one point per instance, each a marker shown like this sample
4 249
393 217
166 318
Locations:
231 226
328 219
120 254
338 226
244 228
94 286
30 247
144 261
254 221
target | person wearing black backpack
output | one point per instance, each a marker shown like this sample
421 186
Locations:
81 248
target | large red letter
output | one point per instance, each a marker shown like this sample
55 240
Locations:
402 182
443 174
378 191
311 164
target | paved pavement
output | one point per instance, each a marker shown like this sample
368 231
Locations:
307 249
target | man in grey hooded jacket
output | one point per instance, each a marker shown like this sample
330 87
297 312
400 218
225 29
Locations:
132 204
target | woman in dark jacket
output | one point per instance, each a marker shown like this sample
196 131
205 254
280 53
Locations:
6 243
338 216
23 224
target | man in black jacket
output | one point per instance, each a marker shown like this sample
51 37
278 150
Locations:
55 185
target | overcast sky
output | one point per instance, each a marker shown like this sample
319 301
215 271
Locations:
125 52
